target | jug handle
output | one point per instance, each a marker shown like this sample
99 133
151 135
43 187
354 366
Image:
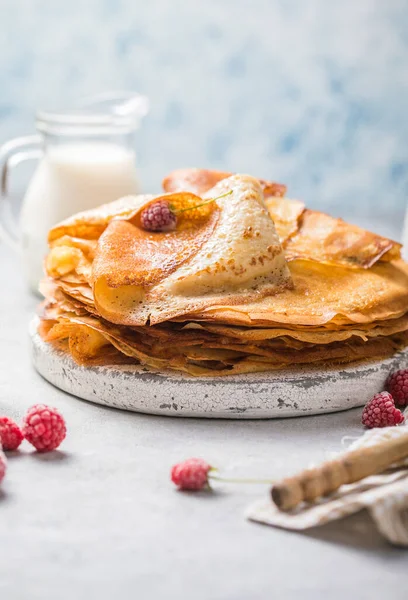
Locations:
13 153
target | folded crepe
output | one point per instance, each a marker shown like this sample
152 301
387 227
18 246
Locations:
200 181
305 234
229 256
324 295
227 292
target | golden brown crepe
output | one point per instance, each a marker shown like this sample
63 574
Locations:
232 255
200 181
323 294
286 215
305 234
90 224
197 350
324 239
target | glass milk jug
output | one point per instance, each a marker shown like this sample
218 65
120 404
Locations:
86 158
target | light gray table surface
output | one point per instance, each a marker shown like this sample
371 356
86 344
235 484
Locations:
100 518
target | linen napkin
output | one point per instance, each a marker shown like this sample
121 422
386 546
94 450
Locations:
385 496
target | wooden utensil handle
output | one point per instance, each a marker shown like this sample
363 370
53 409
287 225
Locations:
348 468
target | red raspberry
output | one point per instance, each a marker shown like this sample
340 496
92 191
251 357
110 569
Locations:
10 434
380 411
44 427
397 385
3 466
158 216
192 474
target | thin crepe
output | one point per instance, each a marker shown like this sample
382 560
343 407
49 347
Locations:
89 339
323 294
304 234
233 256
200 181
328 240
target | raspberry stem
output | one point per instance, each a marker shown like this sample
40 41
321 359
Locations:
181 210
237 479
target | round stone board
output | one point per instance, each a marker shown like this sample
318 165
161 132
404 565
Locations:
289 393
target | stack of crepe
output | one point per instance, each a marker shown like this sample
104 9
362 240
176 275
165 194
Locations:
249 282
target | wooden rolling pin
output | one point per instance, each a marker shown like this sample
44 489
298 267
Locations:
329 476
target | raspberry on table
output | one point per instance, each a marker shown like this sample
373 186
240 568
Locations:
192 474
158 216
380 411
11 435
3 465
44 427
397 385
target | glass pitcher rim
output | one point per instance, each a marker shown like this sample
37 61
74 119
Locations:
95 115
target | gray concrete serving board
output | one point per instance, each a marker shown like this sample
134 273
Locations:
295 392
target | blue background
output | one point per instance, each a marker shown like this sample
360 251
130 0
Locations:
313 93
